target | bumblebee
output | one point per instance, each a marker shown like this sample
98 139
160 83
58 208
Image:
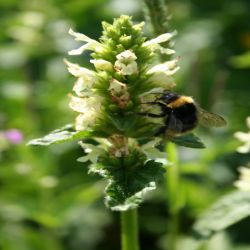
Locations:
181 114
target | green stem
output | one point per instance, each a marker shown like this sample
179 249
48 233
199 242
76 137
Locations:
129 230
172 181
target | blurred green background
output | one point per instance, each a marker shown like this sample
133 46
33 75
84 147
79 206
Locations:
47 200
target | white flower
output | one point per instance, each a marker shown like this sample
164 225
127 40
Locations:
159 39
244 181
102 64
119 93
86 77
85 120
117 87
84 104
169 68
245 138
126 63
154 44
91 44
88 107
163 80
161 74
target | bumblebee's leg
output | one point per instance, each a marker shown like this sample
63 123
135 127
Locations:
151 114
161 131
155 102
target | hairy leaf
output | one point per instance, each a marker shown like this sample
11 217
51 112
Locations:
129 177
224 213
64 134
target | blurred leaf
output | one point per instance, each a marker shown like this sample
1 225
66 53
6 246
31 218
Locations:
64 134
241 61
224 213
189 140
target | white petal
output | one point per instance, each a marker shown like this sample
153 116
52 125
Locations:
77 70
78 104
244 149
81 37
244 137
91 44
83 121
169 68
160 39
166 51
79 51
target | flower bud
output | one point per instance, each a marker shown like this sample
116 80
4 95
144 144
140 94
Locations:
126 63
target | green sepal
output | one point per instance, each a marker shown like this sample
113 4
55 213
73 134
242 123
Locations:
64 134
224 213
189 141
129 177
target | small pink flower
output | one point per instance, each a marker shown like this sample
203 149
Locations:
14 136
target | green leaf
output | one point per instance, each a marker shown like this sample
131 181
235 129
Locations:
126 189
224 213
189 140
64 134
117 202
129 177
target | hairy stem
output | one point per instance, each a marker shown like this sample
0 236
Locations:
129 230
173 186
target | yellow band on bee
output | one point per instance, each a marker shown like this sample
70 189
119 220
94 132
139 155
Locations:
182 100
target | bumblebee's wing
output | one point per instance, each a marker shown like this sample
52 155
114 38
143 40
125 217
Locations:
209 119
175 124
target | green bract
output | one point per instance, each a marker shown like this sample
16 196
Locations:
108 101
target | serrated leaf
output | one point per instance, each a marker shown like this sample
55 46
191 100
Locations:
64 134
128 184
189 140
121 204
224 213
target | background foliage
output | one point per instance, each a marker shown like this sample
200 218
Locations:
47 200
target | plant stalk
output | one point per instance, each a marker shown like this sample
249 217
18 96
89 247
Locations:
129 230
172 182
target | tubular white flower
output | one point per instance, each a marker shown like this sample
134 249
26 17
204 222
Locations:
162 79
159 39
88 107
86 120
77 70
83 105
91 44
102 64
86 78
244 180
165 51
244 137
169 68
126 63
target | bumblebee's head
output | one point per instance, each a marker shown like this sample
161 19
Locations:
169 97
